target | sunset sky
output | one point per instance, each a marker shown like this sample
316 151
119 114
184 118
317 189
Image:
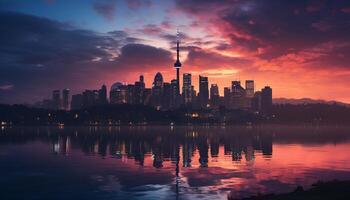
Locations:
301 48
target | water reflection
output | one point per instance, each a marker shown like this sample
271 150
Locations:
174 163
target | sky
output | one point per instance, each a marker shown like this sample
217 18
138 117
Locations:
301 48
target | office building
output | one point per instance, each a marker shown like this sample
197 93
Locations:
203 91
227 97
157 90
118 93
56 99
187 89
77 102
214 95
266 100
238 96
102 95
65 99
249 87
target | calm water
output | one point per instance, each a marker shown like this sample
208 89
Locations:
168 163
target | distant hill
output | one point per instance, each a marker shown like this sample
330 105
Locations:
306 101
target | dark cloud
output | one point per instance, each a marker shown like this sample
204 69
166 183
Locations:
29 40
39 55
106 8
134 56
275 28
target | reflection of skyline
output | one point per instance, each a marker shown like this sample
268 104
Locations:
188 160
166 148
136 143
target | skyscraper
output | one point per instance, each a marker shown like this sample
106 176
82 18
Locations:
130 94
177 64
187 88
90 98
238 95
56 99
65 99
203 91
102 95
249 87
157 90
138 90
256 101
266 100
227 97
158 80
214 95
118 93
77 102
174 95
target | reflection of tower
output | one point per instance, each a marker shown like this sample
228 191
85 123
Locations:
203 148
177 64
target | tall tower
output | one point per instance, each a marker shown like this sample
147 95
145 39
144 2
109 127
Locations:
177 64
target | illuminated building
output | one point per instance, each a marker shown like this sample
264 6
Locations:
203 91
118 93
157 90
187 88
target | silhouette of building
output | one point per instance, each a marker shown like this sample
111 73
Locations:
227 97
174 95
130 94
118 93
238 96
90 98
256 101
157 90
56 99
65 99
138 90
147 96
249 87
187 88
266 100
77 102
203 91
102 95
214 95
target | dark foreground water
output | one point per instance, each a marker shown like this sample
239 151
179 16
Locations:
168 162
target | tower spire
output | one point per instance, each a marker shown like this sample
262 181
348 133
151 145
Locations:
177 63
177 46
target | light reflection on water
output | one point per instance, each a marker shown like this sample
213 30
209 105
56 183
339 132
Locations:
168 163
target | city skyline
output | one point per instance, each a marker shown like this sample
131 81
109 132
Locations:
167 95
300 51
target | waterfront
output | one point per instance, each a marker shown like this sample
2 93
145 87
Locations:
168 162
